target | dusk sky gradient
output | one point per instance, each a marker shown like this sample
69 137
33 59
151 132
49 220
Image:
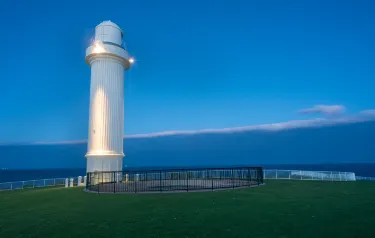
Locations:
200 64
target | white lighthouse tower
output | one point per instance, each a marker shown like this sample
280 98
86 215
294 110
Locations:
108 60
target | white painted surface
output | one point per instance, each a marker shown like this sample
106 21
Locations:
106 120
108 31
66 182
79 183
71 182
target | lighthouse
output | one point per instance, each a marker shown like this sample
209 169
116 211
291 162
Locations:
108 61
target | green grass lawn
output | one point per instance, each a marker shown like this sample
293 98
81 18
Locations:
278 209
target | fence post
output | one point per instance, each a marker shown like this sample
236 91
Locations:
23 184
71 182
11 186
300 172
33 183
276 173
187 181
79 180
249 176
101 184
289 173
85 181
233 178
136 182
114 182
44 182
212 180
160 183
54 182
264 174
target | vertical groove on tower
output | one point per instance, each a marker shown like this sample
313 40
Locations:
106 89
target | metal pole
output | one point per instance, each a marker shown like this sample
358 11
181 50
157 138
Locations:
101 184
187 181
249 176
160 182
135 182
114 182
233 178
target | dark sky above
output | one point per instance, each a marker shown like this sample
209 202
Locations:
200 64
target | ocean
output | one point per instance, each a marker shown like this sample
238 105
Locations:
360 169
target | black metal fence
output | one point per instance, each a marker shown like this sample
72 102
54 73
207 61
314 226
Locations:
137 181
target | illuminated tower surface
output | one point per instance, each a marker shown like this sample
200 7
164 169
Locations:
108 61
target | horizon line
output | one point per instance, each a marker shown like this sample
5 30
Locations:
270 127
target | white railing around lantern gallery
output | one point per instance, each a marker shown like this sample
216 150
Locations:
308 175
40 183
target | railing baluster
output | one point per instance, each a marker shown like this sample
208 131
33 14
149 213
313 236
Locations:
160 183
233 178
249 176
187 181
114 182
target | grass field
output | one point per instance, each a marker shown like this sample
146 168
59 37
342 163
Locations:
278 209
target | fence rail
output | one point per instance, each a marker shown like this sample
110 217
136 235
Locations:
365 178
38 183
308 175
137 181
267 174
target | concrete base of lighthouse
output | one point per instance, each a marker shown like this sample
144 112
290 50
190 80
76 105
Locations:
102 164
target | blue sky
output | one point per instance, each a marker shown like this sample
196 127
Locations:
200 64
